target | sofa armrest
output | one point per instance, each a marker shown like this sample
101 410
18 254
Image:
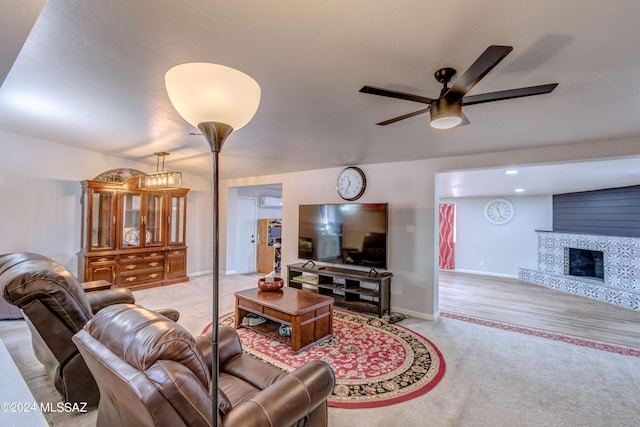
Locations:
101 299
169 313
287 401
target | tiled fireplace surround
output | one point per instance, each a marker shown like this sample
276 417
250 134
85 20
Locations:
621 284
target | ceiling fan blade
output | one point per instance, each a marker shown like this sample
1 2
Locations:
395 94
508 94
485 63
404 116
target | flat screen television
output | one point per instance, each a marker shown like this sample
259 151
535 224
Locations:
347 233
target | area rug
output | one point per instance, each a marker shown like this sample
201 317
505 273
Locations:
375 363
569 339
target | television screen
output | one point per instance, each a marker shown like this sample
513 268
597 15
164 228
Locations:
348 233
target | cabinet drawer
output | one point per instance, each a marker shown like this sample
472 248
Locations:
277 314
250 305
154 254
176 253
143 265
101 259
130 257
138 277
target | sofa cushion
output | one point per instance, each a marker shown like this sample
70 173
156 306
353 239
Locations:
25 277
235 389
142 337
255 372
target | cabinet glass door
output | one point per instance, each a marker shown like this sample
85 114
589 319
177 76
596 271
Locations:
176 220
131 220
102 220
153 219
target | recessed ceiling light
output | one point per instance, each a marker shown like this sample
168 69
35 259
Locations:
519 190
511 172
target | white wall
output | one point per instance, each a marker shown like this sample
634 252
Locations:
410 189
482 247
256 192
410 194
40 193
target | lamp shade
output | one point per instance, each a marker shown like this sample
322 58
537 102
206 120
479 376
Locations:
445 114
205 92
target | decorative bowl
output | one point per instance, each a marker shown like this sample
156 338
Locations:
276 285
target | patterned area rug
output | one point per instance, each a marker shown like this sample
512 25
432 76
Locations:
375 363
569 339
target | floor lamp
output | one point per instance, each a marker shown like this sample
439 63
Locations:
217 100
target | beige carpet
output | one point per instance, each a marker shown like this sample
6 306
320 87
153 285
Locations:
494 377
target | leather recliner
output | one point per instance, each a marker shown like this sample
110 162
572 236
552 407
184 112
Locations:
152 372
55 307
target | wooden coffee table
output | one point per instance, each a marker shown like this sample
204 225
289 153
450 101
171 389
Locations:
309 314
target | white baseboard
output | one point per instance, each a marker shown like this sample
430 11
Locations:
199 273
204 273
485 273
416 314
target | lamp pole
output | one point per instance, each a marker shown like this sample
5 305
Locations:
217 99
216 133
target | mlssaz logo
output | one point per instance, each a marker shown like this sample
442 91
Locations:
51 407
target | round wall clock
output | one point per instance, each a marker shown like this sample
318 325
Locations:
351 183
499 211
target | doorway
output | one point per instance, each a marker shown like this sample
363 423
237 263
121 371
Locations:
246 234
250 204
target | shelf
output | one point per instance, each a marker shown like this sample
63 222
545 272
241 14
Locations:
358 290
361 306
364 291
300 279
270 329
352 289
269 245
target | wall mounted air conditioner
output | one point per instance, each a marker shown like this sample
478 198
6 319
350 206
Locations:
270 202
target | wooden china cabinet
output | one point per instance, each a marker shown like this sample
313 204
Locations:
132 237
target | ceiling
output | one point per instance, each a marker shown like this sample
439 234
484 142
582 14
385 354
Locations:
537 180
91 75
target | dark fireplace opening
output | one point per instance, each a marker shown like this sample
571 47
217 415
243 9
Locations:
586 263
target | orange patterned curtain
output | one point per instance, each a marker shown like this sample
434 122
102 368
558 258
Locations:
447 227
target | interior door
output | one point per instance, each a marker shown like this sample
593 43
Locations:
246 235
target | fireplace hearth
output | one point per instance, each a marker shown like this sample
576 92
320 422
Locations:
603 268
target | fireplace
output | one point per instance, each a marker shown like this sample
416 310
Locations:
585 263
575 263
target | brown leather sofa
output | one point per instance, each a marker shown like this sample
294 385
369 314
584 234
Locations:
55 307
152 372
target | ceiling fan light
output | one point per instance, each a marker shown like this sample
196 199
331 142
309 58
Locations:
445 114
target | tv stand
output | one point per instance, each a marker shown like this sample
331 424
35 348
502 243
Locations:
352 289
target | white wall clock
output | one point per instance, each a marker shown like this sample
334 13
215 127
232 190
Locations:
351 183
499 211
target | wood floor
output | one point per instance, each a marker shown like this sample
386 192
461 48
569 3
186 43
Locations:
521 303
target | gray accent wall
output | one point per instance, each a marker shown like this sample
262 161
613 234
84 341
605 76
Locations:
609 212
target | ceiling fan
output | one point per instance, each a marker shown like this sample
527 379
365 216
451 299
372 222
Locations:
446 110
